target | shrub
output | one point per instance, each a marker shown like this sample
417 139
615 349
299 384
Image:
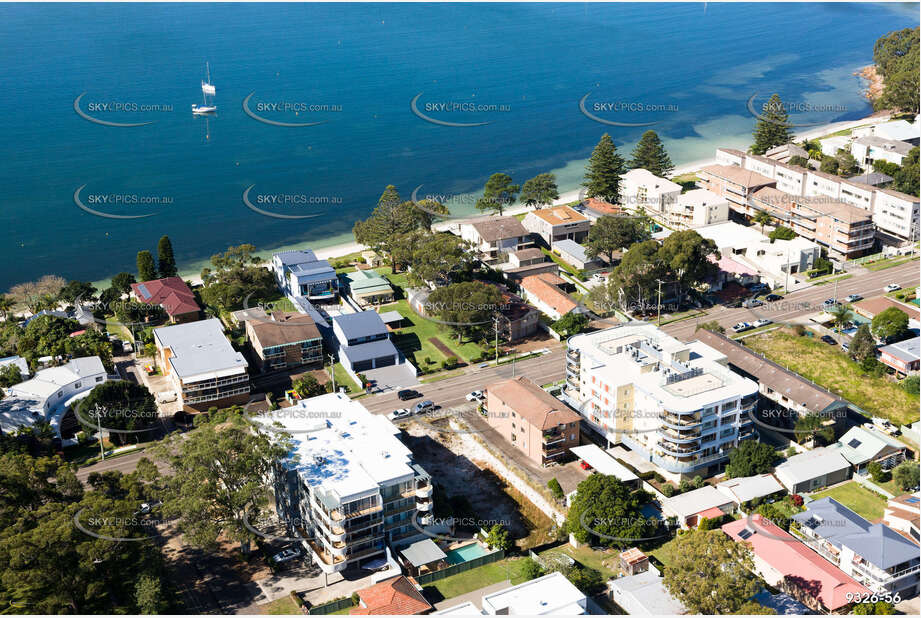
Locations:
791 451
530 569
555 488
450 362
910 385
797 500
906 475
668 490
799 330
355 598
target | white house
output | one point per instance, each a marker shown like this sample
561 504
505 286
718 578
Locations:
551 594
642 189
493 236
867 150
831 145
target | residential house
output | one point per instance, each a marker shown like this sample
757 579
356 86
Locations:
813 470
641 189
573 254
900 130
494 237
691 507
550 594
300 273
284 340
745 489
558 223
644 594
202 366
349 488
364 342
862 445
16 361
788 565
594 209
873 554
368 287
604 463
902 515
675 403
545 292
395 596
525 263
516 318
526 257
903 356
867 150
172 294
872 307
541 426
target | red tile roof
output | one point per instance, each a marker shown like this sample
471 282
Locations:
395 596
171 293
544 287
600 206
796 562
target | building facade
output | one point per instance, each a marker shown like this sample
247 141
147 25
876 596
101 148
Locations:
558 223
284 340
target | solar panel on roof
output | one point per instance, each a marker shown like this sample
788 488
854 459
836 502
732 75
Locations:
745 533
143 289
912 500
854 443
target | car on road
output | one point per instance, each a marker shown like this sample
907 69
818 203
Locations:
760 323
398 414
829 340
852 298
286 555
829 304
407 394
423 406
892 287
476 396
752 302
773 297
758 287
741 327
846 347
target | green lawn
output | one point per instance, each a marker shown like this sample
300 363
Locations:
280 607
884 264
413 338
664 553
858 498
114 327
480 577
605 562
343 379
829 367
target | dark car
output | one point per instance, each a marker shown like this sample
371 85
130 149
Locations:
829 340
407 394
773 297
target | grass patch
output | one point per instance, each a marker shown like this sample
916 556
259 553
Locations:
279 607
480 577
677 317
605 562
344 379
830 278
884 264
413 340
858 498
829 367
664 553
114 327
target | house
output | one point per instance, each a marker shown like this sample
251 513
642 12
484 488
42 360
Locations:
300 273
867 150
903 356
49 394
691 507
594 209
871 307
786 152
813 470
284 340
550 594
788 565
16 361
202 366
748 488
422 557
172 294
900 130
633 561
516 318
544 292
541 426
641 189
365 347
603 463
873 554
349 486
573 254
862 445
558 223
368 287
644 594
902 515
526 257
492 237
395 596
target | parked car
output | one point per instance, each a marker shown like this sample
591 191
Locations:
752 302
407 394
423 406
852 298
286 555
584 465
829 340
398 414
166 397
758 287
476 396
741 327
892 287
846 347
773 297
830 304
760 323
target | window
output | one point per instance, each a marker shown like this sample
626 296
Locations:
99 379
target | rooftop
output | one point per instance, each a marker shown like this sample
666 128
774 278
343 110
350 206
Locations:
750 487
731 234
601 207
544 287
642 176
534 404
492 229
696 501
361 324
645 594
908 350
423 552
549 594
47 382
737 175
881 143
558 215
532 253
200 350
282 328
874 306
603 463
811 464
367 282
700 198
395 596
860 444
171 293
872 178
572 248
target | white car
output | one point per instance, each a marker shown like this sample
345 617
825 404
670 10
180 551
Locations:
892 287
760 323
398 414
476 396
286 555
166 397
741 327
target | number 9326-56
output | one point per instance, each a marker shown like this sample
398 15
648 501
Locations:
868 597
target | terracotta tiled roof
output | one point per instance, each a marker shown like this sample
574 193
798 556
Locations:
559 215
602 207
872 307
544 287
396 596
283 328
171 293
532 403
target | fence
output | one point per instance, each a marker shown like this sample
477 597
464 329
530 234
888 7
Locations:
331 606
454 569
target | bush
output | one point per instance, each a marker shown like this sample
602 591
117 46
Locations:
910 385
668 490
449 363
797 500
906 475
555 488
530 569
877 473
355 598
791 451
782 233
799 330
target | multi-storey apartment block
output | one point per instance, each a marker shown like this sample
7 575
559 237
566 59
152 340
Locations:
641 189
349 488
676 403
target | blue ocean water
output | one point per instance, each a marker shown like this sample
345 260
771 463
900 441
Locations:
698 63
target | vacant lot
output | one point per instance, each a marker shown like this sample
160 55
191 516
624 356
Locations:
858 498
416 338
829 367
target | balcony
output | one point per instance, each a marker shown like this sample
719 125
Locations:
424 505
424 492
323 556
678 450
679 422
677 436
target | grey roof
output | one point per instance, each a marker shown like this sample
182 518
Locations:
908 350
367 351
860 445
361 324
810 465
391 316
891 145
498 228
645 593
423 552
199 347
873 178
782 603
288 258
572 248
876 543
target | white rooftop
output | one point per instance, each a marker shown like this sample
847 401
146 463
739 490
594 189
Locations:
809 465
645 177
550 594
731 235
48 381
749 487
700 197
603 463
464 609
340 449
898 130
645 594
695 501
200 350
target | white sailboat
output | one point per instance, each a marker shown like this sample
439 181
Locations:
207 89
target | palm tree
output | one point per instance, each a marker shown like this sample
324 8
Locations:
841 315
6 305
762 218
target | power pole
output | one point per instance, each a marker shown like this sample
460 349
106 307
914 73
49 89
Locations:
102 450
496 325
659 305
786 283
332 370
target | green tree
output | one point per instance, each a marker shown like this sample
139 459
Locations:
392 218
6 306
589 581
906 475
555 488
611 234
828 165
38 295
119 404
862 344
603 172
782 233
847 164
122 282
911 384
686 255
877 473
880 608
712 325
49 335
799 161
906 178
605 511
498 537
773 126
235 277
810 427
147 270
774 515
540 190
896 57
632 283
530 569
219 477
572 323
10 375
891 323
498 194
436 258
77 289
762 218
750 458
841 315
466 308
710 573
148 595
165 259
308 386
650 155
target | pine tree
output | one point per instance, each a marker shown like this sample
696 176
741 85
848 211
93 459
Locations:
650 155
603 172
773 127
147 270
165 258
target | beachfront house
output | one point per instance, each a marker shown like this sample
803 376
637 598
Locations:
368 287
284 340
172 294
300 273
552 225
862 445
494 237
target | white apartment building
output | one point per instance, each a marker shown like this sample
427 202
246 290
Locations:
350 487
696 208
642 189
675 403
867 150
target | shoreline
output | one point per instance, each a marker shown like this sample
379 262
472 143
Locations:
191 272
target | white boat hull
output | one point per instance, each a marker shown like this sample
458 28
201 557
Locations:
204 109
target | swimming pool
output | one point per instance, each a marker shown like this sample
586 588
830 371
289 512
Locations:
466 553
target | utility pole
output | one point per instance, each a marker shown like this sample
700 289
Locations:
786 283
659 305
496 325
836 281
332 370
102 450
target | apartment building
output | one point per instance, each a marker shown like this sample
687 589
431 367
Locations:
846 231
735 184
283 340
492 237
350 488
873 554
556 224
871 148
697 208
642 189
203 367
676 403
531 419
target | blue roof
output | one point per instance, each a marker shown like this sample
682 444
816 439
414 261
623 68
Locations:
572 248
876 543
287 258
367 351
362 324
